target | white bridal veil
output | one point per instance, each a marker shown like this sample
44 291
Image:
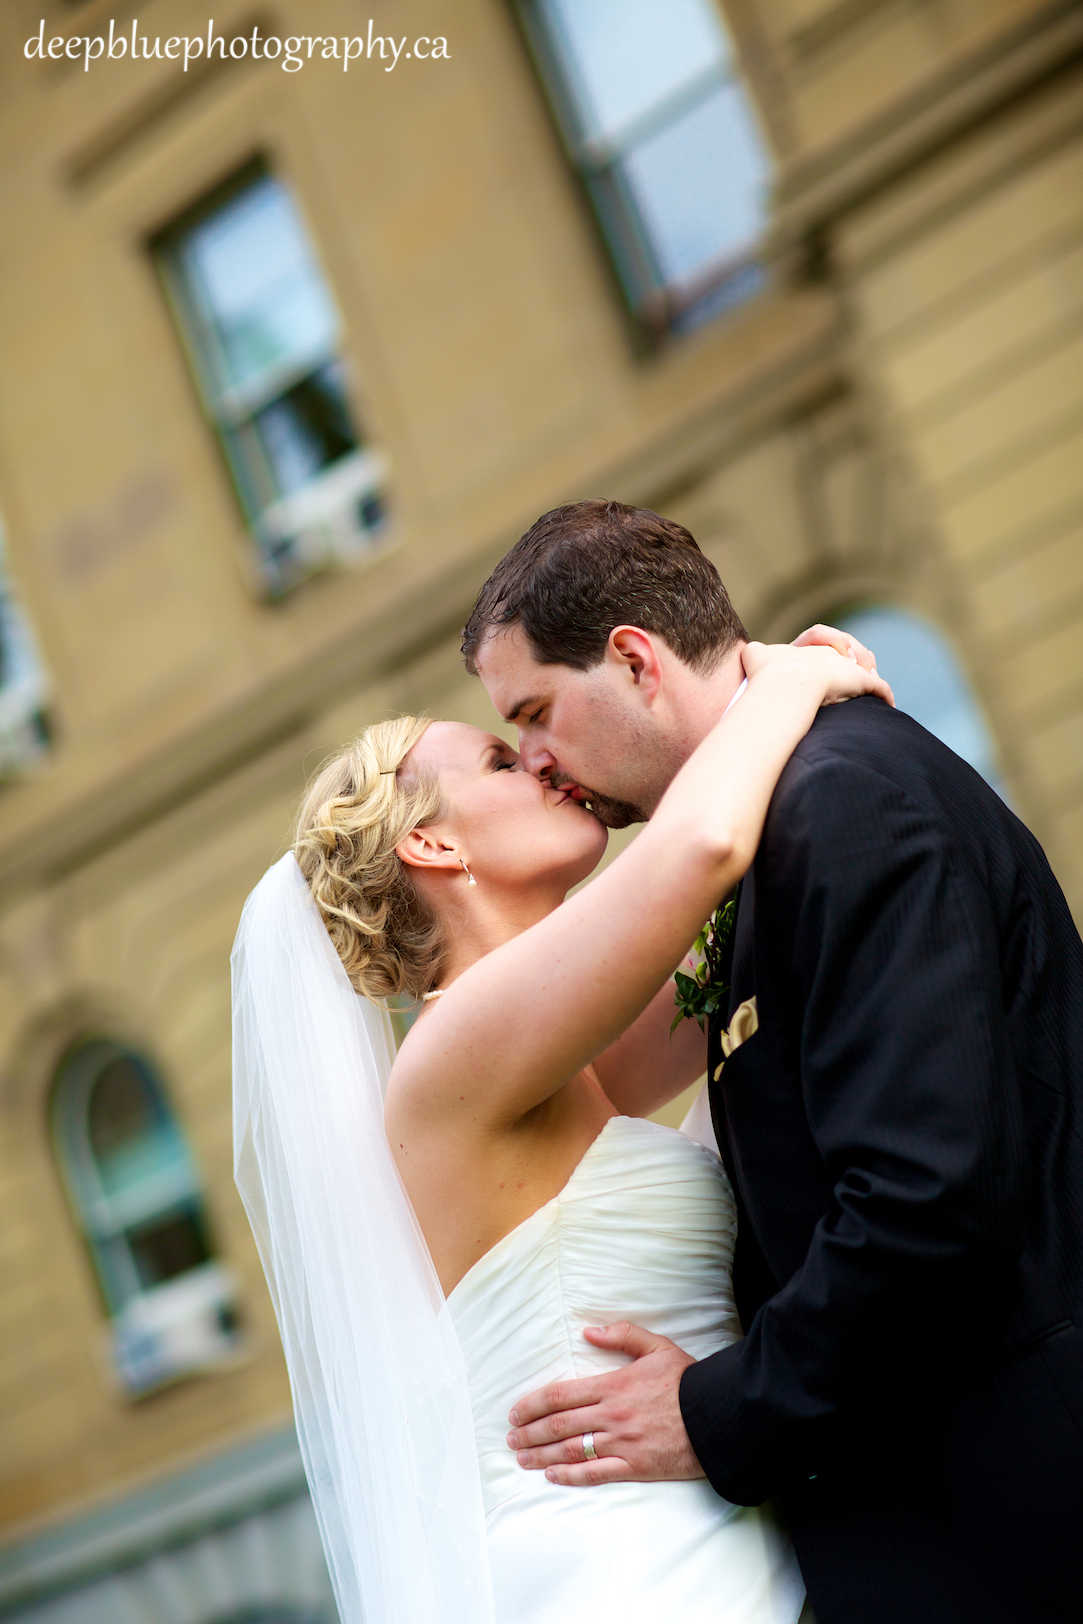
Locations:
379 1388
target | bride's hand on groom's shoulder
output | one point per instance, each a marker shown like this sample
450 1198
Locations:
842 674
820 636
633 1416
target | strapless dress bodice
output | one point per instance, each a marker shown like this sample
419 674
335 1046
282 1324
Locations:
644 1231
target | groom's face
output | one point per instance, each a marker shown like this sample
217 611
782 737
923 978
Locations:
583 728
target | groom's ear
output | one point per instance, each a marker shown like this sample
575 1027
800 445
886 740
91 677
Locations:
423 848
636 657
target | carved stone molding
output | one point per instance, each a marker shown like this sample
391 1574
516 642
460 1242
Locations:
815 190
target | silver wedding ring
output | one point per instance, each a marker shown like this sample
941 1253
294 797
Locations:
589 1451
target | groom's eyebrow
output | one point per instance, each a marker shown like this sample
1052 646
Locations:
520 706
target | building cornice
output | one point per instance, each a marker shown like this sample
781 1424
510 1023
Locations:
428 613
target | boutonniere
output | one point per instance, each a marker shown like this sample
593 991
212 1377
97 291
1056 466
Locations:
702 994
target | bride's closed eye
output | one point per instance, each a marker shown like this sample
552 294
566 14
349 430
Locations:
501 764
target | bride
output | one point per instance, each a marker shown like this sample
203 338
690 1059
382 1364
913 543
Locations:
440 1229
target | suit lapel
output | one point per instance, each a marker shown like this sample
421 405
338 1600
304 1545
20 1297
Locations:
742 944
753 1281
738 971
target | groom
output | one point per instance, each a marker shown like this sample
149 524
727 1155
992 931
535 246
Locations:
903 1126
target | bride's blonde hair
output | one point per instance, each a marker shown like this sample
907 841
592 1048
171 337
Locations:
354 815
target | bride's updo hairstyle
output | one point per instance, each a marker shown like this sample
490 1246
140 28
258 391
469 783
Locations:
352 818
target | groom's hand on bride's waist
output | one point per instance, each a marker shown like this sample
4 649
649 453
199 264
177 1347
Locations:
633 1416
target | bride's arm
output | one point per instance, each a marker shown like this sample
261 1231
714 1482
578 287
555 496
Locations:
515 1026
651 1063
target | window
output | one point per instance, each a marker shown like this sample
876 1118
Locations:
660 129
136 1196
262 336
24 687
928 682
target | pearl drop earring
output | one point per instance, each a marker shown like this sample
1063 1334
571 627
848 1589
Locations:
469 877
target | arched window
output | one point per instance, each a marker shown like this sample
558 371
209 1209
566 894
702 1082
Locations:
136 1195
928 681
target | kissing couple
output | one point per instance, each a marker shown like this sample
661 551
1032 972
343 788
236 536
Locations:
552 1361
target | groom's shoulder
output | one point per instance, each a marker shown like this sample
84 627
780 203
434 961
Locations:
877 751
866 759
865 733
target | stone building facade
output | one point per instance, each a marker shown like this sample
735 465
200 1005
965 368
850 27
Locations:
879 404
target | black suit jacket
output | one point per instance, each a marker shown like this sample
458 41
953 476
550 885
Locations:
905 1137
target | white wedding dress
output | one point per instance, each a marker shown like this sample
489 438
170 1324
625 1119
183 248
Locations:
644 1231
401 1398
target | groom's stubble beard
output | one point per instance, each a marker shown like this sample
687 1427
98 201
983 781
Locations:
632 739
607 809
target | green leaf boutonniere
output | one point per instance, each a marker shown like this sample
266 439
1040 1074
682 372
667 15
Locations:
702 995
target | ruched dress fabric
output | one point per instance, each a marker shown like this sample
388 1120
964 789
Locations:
643 1230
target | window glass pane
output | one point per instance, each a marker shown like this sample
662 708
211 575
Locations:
122 1109
928 682
169 1246
255 283
305 430
622 57
700 186
132 1138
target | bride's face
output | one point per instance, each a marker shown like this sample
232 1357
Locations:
510 828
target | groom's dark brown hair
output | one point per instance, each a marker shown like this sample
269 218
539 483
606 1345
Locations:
582 569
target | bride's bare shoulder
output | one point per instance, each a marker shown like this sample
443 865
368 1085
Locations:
422 1079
